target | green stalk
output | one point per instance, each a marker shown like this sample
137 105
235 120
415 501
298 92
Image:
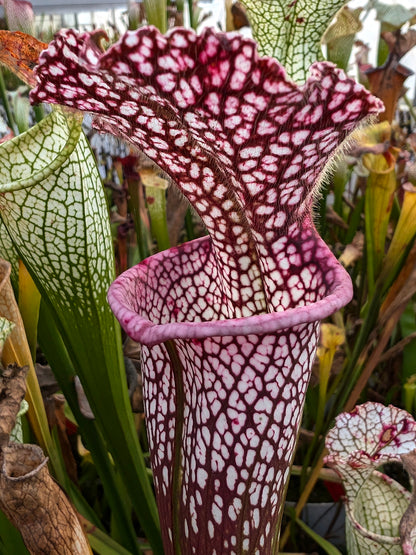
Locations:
71 490
410 106
191 14
57 355
402 241
156 205
39 112
324 373
408 328
322 542
352 370
409 394
6 104
354 221
156 14
103 544
29 303
189 225
340 179
107 393
370 262
382 49
135 209
350 374
379 195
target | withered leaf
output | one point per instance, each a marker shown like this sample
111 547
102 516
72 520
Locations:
36 505
20 52
387 81
12 391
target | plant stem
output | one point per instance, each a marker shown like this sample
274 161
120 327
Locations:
351 371
157 212
39 112
191 14
6 104
57 355
410 106
313 478
178 370
135 207
189 225
350 375
156 14
29 303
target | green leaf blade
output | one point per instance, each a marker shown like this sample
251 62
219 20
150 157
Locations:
322 542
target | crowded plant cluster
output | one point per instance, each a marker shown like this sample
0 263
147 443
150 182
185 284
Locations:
194 307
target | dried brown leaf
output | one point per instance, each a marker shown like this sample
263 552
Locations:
402 290
400 44
387 81
335 218
239 16
12 391
353 251
36 505
20 53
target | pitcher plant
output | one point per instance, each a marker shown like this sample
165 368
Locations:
229 322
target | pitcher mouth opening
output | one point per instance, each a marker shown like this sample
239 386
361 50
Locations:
356 521
155 323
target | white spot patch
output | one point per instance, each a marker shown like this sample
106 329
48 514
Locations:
166 81
232 121
128 109
55 70
292 170
251 152
146 69
51 88
232 477
194 171
211 529
181 141
202 477
216 513
338 117
280 150
354 106
232 513
131 39
300 136
343 87
237 80
264 127
86 79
